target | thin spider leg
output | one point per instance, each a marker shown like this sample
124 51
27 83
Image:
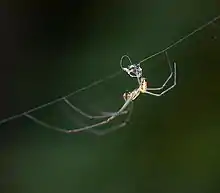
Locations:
42 123
49 126
109 114
116 127
164 84
169 77
173 85
118 113
87 115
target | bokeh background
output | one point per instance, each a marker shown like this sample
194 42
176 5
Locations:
49 49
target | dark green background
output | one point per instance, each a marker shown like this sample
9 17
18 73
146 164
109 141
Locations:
171 143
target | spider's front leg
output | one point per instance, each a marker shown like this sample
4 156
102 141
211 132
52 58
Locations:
172 73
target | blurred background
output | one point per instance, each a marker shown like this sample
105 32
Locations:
50 49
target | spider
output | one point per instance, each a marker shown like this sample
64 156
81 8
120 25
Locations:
134 71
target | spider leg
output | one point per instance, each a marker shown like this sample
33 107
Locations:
113 128
109 114
128 102
173 85
169 77
87 115
49 126
44 124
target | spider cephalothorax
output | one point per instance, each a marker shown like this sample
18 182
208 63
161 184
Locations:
143 85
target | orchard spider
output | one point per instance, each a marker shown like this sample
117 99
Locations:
134 71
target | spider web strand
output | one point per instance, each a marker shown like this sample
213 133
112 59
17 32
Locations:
59 99
182 39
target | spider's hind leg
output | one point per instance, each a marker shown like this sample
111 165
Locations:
101 131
